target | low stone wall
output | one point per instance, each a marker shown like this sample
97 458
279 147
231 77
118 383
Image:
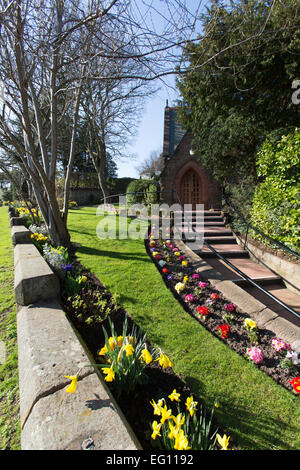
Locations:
48 350
290 272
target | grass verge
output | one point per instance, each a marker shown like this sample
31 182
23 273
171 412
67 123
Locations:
9 390
255 411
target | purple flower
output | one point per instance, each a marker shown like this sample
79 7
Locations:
170 276
67 267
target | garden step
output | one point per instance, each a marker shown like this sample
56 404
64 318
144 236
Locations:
254 271
225 249
219 239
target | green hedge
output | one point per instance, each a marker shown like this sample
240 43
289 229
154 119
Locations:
146 192
276 202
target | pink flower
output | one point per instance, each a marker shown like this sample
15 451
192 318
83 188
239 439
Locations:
189 298
280 345
229 307
255 354
202 284
195 276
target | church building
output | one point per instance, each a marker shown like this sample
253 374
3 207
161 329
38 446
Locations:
182 172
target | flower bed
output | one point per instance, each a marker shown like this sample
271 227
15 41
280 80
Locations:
223 319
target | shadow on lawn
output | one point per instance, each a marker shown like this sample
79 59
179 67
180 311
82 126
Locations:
254 429
87 250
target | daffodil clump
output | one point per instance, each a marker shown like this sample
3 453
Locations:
182 430
39 238
127 356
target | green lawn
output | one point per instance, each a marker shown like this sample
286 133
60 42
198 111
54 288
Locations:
9 394
254 410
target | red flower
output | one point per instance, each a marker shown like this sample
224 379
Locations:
157 257
296 384
224 330
214 296
165 270
203 311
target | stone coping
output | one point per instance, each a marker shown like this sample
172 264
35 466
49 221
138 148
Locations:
48 350
263 316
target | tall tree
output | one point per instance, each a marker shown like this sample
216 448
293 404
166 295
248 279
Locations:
238 84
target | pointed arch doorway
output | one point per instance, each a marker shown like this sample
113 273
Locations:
190 188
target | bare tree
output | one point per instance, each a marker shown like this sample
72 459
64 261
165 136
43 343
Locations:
153 165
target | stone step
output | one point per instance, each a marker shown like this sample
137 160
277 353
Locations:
254 271
219 239
225 249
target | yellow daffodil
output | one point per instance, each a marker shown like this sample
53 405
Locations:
146 356
164 361
191 405
185 279
156 428
174 396
157 406
110 374
179 420
112 343
73 385
120 341
103 351
181 441
223 441
83 279
165 414
128 349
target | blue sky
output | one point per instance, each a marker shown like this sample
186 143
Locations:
150 130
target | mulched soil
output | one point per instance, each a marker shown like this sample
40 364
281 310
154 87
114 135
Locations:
136 406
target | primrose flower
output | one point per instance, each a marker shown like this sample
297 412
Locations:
146 356
177 253
189 298
204 311
214 296
295 382
202 284
165 270
156 428
229 307
280 345
255 354
223 441
185 279
179 287
164 361
174 396
195 276
170 277
224 329
110 374
184 263
73 385
250 324
191 405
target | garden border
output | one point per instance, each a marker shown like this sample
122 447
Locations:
48 349
262 315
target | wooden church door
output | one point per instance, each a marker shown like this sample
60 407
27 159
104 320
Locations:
190 189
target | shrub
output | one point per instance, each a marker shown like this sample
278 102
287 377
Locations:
276 201
147 192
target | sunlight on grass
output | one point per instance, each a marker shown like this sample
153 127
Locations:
254 409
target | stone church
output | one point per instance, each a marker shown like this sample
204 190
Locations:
182 170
